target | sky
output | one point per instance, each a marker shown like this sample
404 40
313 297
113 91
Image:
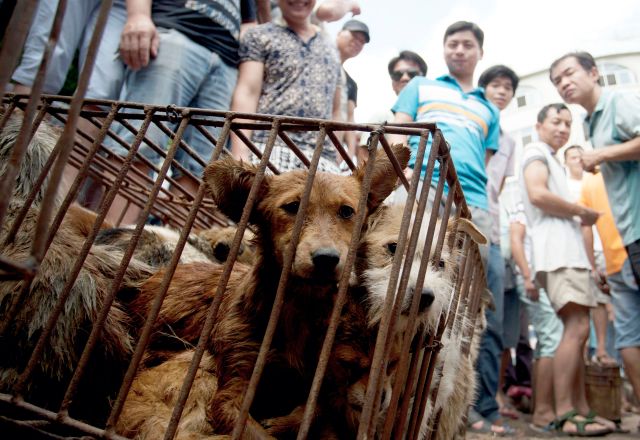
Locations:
525 35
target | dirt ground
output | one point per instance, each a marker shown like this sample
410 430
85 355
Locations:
630 422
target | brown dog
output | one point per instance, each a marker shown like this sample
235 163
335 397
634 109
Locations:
62 351
246 303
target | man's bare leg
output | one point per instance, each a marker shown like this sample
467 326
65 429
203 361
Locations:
631 360
568 362
600 319
543 392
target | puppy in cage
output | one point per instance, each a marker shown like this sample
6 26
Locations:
375 258
246 302
26 305
155 390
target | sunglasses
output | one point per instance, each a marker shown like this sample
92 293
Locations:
398 74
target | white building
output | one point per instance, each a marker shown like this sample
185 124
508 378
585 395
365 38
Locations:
619 70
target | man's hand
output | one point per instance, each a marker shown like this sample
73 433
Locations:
601 281
590 160
139 41
588 216
532 291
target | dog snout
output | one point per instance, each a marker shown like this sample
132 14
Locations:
221 251
325 259
426 299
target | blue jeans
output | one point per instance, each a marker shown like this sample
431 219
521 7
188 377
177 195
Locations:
545 322
78 25
491 345
185 74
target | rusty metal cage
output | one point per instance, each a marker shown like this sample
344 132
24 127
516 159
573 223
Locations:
86 126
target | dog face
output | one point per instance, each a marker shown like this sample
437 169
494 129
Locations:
375 262
330 216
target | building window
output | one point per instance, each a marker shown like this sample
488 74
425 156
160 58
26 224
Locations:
526 139
612 74
527 96
522 101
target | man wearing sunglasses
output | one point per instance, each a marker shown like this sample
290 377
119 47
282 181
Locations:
404 67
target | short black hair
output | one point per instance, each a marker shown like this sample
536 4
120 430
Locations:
542 114
499 71
585 59
572 147
408 55
460 26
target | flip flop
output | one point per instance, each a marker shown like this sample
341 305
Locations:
486 427
548 430
508 410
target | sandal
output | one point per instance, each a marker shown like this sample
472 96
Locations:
508 410
581 431
486 427
612 425
548 430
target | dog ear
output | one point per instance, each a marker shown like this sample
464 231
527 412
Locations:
229 182
384 178
466 225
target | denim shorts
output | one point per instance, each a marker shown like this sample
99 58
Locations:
546 323
625 297
185 74
79 22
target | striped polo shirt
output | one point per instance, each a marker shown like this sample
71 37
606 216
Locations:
469 122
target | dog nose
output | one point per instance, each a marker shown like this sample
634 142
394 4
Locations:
426 299
221 251
325 259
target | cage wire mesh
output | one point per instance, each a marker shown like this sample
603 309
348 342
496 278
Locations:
74 348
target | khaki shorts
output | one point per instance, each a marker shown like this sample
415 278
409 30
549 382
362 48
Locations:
568 285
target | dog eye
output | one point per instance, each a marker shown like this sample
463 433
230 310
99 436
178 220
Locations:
291 207
392 248
441 264
346 212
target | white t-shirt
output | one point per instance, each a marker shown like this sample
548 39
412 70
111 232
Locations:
556 242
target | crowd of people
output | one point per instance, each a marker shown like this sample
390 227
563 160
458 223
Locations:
572 229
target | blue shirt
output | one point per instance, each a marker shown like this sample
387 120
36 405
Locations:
469 123
615 120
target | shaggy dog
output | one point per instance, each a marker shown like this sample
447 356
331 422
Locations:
375 259
67 340
247 300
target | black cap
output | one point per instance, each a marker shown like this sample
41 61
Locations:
357 26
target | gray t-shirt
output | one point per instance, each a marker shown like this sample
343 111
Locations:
500 165
556 242
616 119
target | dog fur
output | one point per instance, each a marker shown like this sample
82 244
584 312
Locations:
375 260
157 244
69 335
249 295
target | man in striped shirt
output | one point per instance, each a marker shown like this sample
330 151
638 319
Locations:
470 125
